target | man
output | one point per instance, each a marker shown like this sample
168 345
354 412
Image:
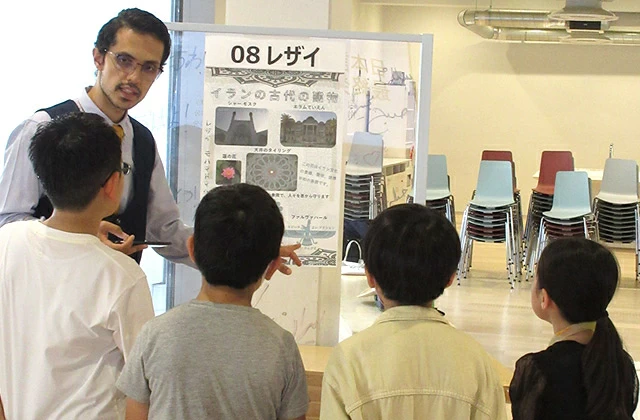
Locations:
411 363
70 306
216 357
130 53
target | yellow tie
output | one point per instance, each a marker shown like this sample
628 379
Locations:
119 131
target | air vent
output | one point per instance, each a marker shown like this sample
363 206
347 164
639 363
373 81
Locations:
584 25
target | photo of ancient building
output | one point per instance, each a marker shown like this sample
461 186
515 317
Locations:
308 129
241 126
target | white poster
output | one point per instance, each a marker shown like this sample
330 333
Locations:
273 117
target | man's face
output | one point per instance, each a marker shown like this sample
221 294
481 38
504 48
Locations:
118 89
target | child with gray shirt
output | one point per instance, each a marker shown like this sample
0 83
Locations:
216 357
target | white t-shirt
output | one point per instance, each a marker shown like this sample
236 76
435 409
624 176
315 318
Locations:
70 310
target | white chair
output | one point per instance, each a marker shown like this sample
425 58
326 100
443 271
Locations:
616 207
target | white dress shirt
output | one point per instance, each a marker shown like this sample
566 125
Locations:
20 189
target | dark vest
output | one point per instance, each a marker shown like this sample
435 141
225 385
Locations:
134 218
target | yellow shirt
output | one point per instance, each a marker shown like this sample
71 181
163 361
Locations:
411 364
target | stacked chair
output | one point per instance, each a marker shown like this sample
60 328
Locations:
491 216
439 195
571 214
616 206
507 156
364 196
541 200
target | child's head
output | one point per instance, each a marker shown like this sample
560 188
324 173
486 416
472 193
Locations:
237 233
73 157
580 276
412 252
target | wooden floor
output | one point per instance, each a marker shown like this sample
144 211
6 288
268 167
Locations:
501 319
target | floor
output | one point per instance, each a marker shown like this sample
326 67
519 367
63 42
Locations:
501 319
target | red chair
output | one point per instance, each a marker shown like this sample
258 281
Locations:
541 200
497 155
551 162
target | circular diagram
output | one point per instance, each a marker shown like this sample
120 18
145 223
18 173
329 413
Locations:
273 172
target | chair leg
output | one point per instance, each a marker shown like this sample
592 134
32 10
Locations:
508 241
542 239
453 210
637 242
464 245
516 241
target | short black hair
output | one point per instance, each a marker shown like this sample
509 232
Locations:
237 233
412 252
141 22
73 156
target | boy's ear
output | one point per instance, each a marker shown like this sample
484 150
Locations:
272 268
453 276
190 248
111 186
371 281
545 299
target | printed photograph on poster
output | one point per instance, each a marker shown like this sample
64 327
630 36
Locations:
308 129
228 172
273 172
241 126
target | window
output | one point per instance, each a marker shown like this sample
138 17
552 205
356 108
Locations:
52 61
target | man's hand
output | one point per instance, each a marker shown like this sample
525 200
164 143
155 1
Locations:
126 246
286 252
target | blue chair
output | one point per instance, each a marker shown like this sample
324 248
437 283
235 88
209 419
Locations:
571 214
491 216
439 195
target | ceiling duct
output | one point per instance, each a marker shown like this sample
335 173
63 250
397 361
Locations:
583 11
579 22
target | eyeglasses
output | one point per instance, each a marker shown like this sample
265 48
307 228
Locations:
125 169
127 64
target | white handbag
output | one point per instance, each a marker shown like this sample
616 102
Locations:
352 268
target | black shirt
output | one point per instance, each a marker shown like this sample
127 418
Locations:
548 384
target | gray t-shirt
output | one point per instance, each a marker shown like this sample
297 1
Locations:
204 360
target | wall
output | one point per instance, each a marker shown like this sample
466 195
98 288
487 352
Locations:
523 97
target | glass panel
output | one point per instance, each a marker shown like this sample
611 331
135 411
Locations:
379 98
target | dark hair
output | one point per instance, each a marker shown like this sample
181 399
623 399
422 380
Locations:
141 22
237 233
581 277
73 156
412 252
